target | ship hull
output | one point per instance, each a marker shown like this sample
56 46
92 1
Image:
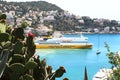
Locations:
64 46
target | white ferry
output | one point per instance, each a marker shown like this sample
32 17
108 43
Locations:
63 42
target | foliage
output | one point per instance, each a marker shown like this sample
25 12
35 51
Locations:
43 5
24 24
2 28
114 60
18 52
3 16
3 59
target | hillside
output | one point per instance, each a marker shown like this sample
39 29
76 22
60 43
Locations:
42 5
41 12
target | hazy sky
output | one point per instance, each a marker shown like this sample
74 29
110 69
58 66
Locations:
108 9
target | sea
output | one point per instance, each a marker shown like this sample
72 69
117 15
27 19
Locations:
75 60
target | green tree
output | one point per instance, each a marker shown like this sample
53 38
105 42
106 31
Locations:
114 60
88 22
24 24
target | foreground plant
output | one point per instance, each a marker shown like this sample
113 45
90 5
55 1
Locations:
18 60
114 60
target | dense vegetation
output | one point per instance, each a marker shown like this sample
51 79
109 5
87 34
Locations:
42 5
114 60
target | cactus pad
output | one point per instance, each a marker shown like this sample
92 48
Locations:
26 77
17 68
4 37
31 65
18 47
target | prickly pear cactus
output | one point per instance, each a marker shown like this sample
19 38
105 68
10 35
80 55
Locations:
18 52
2 23
4 44
4 37
3 60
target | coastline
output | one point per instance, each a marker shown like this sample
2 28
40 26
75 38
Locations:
79 56
69 32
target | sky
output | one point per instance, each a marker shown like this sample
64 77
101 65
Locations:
107 9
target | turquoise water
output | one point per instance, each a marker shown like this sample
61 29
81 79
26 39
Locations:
74 60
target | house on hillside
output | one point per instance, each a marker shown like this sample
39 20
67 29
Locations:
19 21
49 18
10 18
43 30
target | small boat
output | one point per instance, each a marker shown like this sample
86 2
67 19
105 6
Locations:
63 42
98 51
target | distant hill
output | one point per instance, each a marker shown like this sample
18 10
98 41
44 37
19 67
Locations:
42 5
